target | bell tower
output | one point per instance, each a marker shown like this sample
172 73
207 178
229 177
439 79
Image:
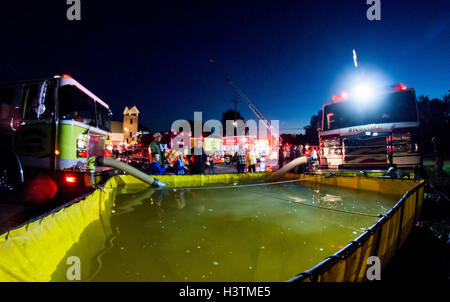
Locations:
130 123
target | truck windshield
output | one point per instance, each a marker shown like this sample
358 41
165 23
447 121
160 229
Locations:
32 101
389 108
75 105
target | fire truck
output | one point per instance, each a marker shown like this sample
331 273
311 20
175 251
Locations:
376 130
224 149
231 144
52 127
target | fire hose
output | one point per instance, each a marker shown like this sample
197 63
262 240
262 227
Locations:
291 165
108 162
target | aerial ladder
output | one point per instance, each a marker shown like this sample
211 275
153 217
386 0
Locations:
274 135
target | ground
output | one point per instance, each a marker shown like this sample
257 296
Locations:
425 255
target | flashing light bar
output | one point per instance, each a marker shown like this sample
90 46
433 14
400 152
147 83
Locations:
400 86
344 95
341 97
66 76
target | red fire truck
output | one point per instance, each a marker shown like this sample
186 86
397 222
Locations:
375 132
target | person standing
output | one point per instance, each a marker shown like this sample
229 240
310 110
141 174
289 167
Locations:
198 160
155 148
293 152
300 168
438 157
314 154
299 151
241 161
211 164
252 160
179 163
280 157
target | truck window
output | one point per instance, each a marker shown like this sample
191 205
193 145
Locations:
25 100
31 108
103 118
75 105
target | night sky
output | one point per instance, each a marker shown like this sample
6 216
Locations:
289 57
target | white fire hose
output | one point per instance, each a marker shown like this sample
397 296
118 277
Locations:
109 162
291 165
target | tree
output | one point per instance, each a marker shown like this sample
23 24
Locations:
311 133
230 115
294 139
434 121
143 128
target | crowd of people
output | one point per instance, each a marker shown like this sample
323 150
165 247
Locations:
199 162
287 153
175 161
162 160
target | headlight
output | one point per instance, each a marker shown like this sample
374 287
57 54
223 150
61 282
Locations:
338 151
81 143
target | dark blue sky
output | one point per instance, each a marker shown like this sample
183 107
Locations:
288 56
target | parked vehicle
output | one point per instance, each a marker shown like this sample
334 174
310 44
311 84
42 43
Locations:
377 133
52 126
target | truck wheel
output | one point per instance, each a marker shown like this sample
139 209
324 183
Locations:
11 173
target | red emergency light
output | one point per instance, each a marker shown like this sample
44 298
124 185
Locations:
70 179
82 153
400 86
341 97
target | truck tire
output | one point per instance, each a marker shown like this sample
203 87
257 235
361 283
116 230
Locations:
11 173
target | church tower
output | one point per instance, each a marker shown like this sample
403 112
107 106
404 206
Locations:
130 123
